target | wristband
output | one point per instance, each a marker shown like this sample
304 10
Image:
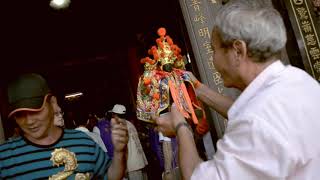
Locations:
197 84
180 124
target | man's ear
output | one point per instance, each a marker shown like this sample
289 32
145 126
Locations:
54 103
240 48
53 100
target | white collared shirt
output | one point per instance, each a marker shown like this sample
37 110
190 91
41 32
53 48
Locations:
272 132
136 157
94 136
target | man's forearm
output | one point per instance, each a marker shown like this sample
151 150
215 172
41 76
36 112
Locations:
117 167
188 154
213 99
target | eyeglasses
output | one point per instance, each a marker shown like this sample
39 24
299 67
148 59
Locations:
59 113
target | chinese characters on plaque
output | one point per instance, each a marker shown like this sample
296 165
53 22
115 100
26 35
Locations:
309 35
204 34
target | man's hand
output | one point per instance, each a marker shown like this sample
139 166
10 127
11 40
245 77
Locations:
193 79
188 155
167 122
119 134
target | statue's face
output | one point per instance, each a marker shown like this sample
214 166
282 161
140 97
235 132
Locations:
167 67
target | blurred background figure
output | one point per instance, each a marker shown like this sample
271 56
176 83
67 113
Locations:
137 160
81 121
58 118
104 130
170 158
58 114
92 123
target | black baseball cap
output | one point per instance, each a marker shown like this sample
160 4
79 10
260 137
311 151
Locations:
27 93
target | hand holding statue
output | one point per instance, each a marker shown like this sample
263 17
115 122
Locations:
196 83
168 122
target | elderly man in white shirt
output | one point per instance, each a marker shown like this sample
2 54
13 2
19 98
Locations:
274 124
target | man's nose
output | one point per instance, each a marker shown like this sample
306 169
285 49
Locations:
30 119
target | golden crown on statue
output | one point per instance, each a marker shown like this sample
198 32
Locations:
165 56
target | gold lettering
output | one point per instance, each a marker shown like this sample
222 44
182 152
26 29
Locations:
207 45
200 18
204 32
196 5
302 13
210 58
306 26
217 78
317 66
211 65
315 53
311 41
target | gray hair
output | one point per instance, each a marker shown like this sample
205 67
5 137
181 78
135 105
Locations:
255 22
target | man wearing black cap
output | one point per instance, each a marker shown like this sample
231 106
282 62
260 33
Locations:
47 151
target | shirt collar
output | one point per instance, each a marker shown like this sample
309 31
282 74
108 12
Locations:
255 86
82 129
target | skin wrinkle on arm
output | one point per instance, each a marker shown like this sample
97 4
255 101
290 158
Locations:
189 159
117 167
188 154
213 99
119 140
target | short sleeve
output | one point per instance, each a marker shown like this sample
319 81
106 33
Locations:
96 130
103 162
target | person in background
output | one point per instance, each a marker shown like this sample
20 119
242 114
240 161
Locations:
58 114
273 125
136 157
92 122
104 129
169 151
81 122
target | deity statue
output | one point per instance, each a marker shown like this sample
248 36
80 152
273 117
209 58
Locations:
164 82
